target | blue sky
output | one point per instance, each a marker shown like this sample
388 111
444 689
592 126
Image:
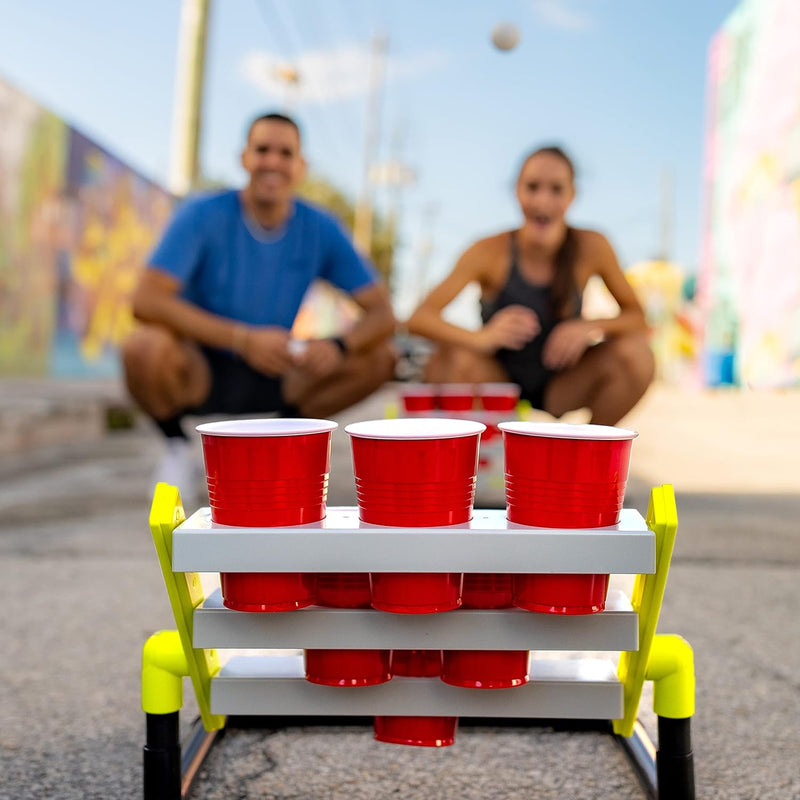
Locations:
620 83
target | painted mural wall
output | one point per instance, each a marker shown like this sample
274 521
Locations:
749 280
76 226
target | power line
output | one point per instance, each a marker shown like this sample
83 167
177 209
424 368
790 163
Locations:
289 33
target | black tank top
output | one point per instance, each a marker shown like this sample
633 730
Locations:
525 366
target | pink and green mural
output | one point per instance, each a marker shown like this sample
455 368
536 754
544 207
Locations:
749 281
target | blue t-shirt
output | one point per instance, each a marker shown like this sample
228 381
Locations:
256 277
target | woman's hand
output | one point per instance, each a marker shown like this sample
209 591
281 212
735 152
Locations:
512 328
567 342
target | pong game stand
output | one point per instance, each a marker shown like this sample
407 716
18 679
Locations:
570 688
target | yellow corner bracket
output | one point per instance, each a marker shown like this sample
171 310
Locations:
163 669
162 664
648 594
671 668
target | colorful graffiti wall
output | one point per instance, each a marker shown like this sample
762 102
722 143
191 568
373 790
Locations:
76 226
749 280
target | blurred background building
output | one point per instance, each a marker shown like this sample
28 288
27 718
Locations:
748 288
76 224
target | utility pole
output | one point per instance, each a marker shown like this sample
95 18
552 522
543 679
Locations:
362 224
188 101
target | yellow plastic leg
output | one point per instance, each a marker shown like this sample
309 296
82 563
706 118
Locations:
671 668
648 594
185 594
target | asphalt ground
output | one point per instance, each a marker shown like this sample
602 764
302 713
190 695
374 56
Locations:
82 592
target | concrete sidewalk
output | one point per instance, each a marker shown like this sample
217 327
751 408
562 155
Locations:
36 413
725 441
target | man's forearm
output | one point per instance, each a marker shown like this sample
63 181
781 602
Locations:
189 321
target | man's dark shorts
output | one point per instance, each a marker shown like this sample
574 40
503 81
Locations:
236 388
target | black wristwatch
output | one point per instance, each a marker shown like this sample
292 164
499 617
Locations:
340 343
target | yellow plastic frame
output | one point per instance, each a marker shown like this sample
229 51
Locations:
667 660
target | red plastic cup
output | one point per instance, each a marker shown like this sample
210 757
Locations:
416 731
561 594
565 476
343 589
267 473
486 590
416 663
415 472
415 592
456 396
267 591
347 667
498 396
418 397
486 669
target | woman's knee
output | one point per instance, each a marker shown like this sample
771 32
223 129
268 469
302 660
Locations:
634 357
383 362
458 365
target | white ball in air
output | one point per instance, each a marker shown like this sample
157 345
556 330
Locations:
505 36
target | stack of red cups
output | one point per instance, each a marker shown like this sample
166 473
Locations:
560 475
415 472
267 473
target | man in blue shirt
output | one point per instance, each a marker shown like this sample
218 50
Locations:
218 298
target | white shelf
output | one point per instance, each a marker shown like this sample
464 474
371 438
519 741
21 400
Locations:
342 543
614 629
568 689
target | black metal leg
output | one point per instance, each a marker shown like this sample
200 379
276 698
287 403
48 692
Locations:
674 760
162 758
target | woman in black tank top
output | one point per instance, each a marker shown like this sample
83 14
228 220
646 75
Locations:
533 332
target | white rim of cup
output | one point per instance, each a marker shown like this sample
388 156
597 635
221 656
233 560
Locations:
567 430
499 388
415 428
267 427
412 390
456 388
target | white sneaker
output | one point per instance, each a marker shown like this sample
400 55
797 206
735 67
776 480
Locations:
179 467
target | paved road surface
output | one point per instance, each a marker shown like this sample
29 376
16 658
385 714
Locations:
82 592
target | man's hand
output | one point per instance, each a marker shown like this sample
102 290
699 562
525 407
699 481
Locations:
319 358
265 349
567 342
512 328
